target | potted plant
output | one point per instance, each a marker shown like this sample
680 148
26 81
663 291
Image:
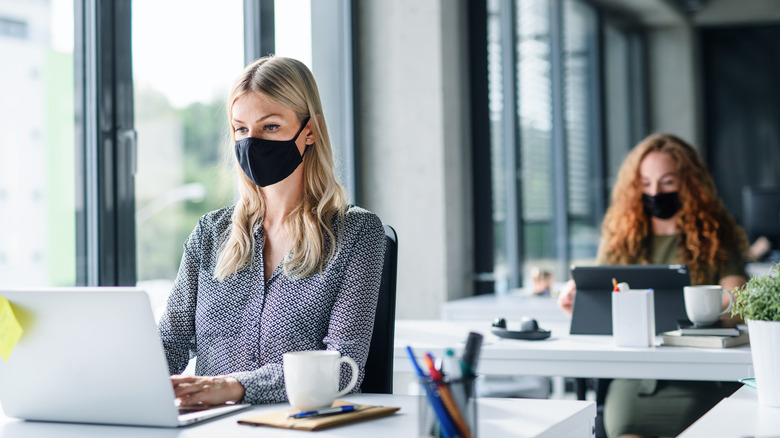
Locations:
758 302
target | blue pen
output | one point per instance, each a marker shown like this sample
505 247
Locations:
447 428
326 411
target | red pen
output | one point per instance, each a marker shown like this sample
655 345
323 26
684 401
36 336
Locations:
435 374
447 399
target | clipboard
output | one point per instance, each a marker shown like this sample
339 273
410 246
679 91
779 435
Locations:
279 419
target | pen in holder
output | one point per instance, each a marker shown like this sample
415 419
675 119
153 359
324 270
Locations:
448 407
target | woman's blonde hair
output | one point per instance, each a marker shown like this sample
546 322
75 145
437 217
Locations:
313 225
707 230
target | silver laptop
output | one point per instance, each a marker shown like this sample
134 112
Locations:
90 355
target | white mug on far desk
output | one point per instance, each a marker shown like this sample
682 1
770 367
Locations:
311 378
703 304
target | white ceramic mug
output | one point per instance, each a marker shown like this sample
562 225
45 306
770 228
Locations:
312 378
703 304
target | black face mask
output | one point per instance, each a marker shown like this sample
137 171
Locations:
267 162
662 205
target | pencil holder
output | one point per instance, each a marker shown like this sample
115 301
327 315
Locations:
633 318
448 408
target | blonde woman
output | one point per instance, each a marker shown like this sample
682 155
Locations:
289 267
665 210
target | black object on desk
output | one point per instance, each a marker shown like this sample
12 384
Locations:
592 313
471 353
718 328
529 330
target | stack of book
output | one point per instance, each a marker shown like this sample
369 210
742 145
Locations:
707 336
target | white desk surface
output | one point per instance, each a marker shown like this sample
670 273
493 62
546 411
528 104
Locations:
511 306
737 416
569 355
497 418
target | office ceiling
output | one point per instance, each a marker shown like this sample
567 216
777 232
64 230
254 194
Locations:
648 12
737 12
659 13
690 6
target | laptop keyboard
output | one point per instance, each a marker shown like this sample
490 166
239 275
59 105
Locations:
191 409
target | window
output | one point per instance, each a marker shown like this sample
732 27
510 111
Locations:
585 200
113 130
37 227
503 188
549 162
182 75
292 30
534 70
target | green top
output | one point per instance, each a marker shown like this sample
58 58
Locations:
663 251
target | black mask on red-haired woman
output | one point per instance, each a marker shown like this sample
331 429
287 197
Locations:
662 205
267 162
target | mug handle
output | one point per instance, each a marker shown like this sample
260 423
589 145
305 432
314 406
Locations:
731 301
353 380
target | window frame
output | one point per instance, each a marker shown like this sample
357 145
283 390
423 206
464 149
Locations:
105 144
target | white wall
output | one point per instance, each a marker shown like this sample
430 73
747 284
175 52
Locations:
415 144
674 82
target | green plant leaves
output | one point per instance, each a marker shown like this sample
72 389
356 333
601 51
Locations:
759 298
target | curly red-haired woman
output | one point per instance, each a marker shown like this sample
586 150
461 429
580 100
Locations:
665 210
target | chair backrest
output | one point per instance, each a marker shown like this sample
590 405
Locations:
379 365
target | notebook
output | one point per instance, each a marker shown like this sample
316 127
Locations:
90 355
281 420
675 337
592 313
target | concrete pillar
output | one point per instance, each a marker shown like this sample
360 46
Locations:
675 82
414 145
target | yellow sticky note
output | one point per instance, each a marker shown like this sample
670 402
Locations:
10 329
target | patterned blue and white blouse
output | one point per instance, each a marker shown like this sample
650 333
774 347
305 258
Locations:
243 325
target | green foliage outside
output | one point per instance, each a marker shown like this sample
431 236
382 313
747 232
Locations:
759 298
204 131
160 240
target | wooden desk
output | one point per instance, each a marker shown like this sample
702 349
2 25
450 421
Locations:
739 415
570 355
497 418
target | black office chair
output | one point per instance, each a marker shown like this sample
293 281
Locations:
600 386
379 365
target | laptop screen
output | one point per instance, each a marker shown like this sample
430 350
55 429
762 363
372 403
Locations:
592 313
87 355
